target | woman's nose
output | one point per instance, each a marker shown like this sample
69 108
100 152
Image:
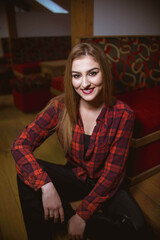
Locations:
85 82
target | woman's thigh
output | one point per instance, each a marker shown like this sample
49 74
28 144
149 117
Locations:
64 180
69 189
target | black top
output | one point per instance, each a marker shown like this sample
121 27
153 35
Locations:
86 142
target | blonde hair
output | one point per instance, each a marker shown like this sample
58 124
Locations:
68 117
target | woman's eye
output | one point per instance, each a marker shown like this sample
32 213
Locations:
93 73
76 76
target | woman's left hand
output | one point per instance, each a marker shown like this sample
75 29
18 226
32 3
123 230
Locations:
76 227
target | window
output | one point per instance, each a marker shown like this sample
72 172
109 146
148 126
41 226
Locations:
52 6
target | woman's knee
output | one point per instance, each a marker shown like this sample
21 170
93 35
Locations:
123 206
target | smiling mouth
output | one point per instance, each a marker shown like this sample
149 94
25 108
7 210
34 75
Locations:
87 91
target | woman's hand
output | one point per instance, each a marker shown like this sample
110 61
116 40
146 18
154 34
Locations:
52 203
76 227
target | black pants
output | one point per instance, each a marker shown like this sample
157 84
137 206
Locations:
119 216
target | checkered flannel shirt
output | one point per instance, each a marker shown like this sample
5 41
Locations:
104 160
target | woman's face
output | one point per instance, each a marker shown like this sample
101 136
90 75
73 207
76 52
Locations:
87 78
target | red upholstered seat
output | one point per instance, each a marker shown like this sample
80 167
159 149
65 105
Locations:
31 101
146 106
31 94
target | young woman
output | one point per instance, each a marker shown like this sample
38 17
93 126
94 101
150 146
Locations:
95 131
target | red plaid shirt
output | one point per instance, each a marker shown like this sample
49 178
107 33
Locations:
105 158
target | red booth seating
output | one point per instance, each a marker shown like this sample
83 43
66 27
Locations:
145 144
134 63
31 94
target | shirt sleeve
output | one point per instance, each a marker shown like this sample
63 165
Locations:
114 169
22 148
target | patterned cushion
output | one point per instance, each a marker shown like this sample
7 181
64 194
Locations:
135 61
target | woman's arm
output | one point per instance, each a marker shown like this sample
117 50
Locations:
22 149
28 168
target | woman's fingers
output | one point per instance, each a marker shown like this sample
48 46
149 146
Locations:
56 215
46 214
61 213
51 213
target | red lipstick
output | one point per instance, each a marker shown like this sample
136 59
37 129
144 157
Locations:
87 91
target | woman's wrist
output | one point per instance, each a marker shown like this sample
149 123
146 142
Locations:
47 186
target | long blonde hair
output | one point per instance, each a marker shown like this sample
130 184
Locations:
68 117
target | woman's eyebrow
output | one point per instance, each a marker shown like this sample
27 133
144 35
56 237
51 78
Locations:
90 70
95 68
75 72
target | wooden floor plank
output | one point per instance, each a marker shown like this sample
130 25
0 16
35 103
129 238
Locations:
11 221
151 190
149 208
156 180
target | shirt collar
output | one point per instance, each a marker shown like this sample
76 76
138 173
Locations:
101 118
102 115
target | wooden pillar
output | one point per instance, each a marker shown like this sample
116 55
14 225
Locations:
12 27
11 20
81 19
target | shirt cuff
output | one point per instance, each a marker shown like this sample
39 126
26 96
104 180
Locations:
83 211
37 181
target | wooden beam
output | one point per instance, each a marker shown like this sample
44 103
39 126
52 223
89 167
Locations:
81 19
11 20
12 27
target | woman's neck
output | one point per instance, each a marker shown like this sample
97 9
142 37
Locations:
91 106
89 114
